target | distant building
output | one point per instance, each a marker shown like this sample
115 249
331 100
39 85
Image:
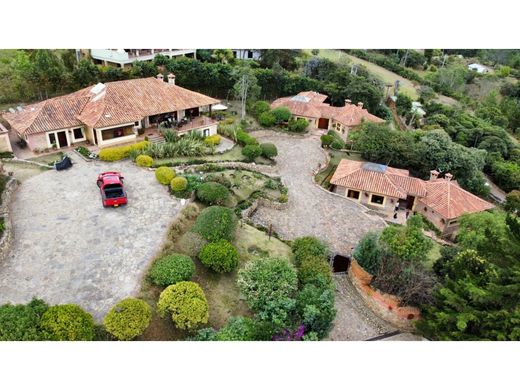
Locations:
125 57
390 190
312 107
478 68
246 54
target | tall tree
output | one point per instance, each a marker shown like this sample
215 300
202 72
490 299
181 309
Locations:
246 86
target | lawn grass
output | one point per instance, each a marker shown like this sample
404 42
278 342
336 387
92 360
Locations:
433 255
21 171
48 158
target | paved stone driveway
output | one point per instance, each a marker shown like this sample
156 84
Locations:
69 249
312 211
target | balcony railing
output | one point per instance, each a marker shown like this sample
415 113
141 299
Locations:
120 56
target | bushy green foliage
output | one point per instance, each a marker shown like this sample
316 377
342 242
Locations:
22 322
314 270
120 152
315 306
186 303
171 269
144 161
407 243
244 138
216 223
513 202
238 329
178 184
403 104
220 256
338 145
191 144
213 140
260 107
326 140
212 193
68 323
298 125
269 150
128 319
164 175
269 286
251 152
282 114
305 247
267 119
368 252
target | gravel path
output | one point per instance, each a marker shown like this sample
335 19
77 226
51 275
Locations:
67 248
312 210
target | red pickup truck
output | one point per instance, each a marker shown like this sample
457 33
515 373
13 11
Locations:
112 189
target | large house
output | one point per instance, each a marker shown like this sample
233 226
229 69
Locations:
441 200
126 57
312 107
111 113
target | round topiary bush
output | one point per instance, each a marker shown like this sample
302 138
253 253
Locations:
178 184
269 150
304 247
68 323
326 140
164 175
219 256
128 318
337 144
251 152
260 107
314 270
171 269
213 140
282 114
144 161
186 303
212 193
216 223
267 119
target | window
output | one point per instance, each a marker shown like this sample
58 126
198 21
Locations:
52 138
377 199
454 222
136 123
353 194
78 133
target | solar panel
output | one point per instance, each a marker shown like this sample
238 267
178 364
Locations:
299 98
374 167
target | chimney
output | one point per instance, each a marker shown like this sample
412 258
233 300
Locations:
434 174
347 102
448 176
160 77
360 104
171 79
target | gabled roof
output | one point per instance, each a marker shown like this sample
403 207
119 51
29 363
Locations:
311 104
105 105
377 178
448 199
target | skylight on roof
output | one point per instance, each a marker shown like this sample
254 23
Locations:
299 98
374 167
97 88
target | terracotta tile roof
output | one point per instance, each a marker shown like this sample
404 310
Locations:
378 179
448 199
105 105
311 104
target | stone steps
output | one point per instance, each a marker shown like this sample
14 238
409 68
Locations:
156 139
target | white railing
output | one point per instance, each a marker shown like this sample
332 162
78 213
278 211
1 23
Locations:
124 57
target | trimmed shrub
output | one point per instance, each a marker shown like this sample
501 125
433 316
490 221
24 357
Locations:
338 145
251 152
244 138
269 286
178 184
144 161
213 140
22 322
120 152
216 223
267 119
212 193
164 175
305 247
298 125
219 256
282 114
368 253
186 303
326 140
269 150
128 318
172 269
238 329
260 107
283 198
314 270
68 323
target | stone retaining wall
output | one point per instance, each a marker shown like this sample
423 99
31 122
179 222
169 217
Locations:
247 213
7 236
268 170
385 305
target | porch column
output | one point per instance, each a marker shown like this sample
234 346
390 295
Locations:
210 110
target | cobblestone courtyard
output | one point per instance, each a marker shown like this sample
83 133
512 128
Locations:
67 248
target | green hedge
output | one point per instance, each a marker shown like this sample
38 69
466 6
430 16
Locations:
120 152
251 152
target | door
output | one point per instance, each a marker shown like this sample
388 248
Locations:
323 123
410 200
62 139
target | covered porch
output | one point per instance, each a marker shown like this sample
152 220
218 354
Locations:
114 135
